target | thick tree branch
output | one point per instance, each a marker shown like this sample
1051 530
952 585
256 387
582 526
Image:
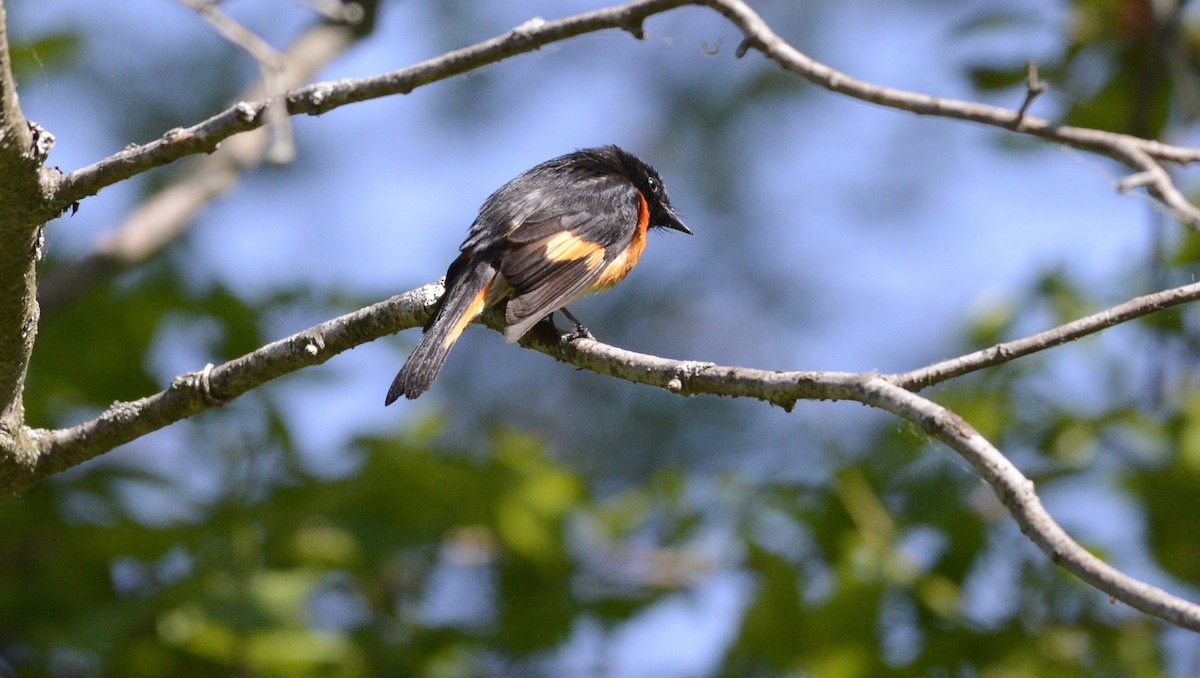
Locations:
15 136
195 392
22 148
167 214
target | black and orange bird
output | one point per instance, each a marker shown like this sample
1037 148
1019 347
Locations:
567 227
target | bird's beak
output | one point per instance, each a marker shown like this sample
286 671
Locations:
674 223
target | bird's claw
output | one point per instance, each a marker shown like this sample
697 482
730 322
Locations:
580 332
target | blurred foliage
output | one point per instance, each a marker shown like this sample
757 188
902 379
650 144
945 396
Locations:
52 51
1125 65
429 558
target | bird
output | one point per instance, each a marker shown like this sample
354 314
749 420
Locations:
570 226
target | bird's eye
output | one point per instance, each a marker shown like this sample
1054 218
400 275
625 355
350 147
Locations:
655 184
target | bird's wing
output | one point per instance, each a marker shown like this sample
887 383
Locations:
557 252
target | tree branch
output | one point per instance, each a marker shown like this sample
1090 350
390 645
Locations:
1138 307
1159 183
1034 88
22 148
167 214
1141 154
271 63
1017 494
192 393
322 97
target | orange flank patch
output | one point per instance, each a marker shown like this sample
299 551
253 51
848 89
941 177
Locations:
567 246
473 310
624 262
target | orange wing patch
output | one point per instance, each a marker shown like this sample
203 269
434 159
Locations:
567 246
473 310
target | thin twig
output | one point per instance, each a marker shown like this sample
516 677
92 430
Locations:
1159 183
1076 329
282 148
336 10
1033 88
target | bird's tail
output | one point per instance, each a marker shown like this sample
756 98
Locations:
465 298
